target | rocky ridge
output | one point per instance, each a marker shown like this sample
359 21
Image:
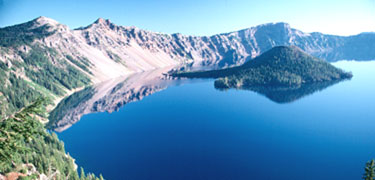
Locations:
104 50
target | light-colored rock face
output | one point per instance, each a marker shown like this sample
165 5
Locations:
45 20
114 51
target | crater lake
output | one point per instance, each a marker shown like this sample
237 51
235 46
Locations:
160 128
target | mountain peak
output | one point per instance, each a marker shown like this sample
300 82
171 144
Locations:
273 27
102 21
42 20
99 23
289 53
273 24
282 24
277 25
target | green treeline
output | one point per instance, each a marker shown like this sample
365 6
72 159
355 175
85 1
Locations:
21 34
39 68
35 69
46 79
28 149
15 92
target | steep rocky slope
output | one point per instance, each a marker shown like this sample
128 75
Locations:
47 58
114 50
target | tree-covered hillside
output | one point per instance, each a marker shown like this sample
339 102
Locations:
28 151
29 69
22 34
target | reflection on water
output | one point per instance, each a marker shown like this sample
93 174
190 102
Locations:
107 96
288 94
111 95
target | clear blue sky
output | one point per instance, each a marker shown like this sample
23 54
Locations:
200 17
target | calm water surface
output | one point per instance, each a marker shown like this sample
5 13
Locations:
193 131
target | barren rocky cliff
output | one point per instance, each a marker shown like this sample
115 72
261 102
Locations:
48 58
114 50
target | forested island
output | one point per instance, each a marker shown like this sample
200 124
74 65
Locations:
282 66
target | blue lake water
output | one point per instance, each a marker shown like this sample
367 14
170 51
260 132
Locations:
193 131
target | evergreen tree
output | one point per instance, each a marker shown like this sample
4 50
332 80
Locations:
83 176
24 140
369 171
